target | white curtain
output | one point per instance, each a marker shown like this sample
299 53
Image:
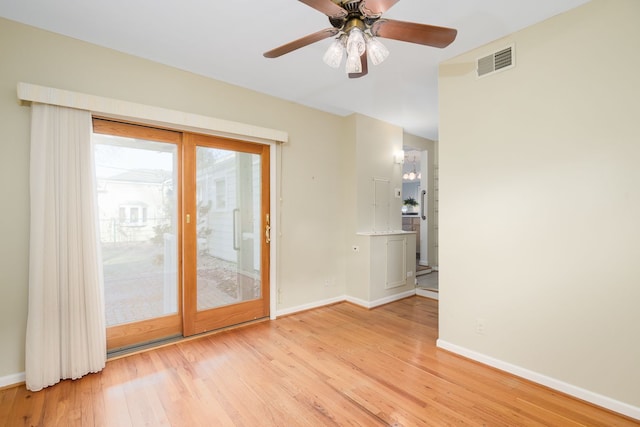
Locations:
66 325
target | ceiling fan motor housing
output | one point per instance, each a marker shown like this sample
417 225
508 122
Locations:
352 6
355 17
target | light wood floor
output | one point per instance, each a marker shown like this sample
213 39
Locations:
337 365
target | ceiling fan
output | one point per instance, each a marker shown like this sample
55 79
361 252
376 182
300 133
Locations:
357 23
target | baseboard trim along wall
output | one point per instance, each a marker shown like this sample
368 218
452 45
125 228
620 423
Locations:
342 298
312 305
12 380
381 301
427 293
572 390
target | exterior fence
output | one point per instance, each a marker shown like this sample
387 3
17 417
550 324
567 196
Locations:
113 230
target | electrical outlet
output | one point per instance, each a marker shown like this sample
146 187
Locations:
355 248
409 273
481 326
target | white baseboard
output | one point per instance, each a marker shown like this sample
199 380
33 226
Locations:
12 379
381 301
427 293
311 305
357 301
353 300
570 389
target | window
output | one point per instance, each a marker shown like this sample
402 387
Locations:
132 215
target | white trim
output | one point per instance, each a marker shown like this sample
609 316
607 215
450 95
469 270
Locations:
425 219
384 233
147 114
310 306
273 232
570 389
381 301
426 293
357 301
347 298
12 380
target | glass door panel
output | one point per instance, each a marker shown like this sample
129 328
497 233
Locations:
226 215
137 196
228 220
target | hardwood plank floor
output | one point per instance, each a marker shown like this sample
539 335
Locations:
336 365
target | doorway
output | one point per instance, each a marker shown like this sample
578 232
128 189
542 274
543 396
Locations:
420 182
184 228
415 193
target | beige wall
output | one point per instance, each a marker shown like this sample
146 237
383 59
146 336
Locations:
376 142
540 201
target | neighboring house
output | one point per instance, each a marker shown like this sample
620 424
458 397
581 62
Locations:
228 223
217 199
132 204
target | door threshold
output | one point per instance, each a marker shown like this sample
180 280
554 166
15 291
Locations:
153 345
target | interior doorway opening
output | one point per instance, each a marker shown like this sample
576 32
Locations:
420 210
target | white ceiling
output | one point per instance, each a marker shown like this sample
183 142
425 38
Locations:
225 41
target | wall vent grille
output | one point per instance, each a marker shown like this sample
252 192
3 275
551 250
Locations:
500 60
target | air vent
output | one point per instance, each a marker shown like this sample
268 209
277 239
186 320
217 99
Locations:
501 60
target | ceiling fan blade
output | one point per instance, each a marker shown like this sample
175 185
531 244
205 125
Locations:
302 42
428 35
365 67
376 7
327 7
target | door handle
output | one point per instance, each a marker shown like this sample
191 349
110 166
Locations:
267 230
422 214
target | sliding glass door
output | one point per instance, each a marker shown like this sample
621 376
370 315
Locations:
184 227
137 172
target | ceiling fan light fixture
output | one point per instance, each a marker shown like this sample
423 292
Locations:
355 43
333 56
354 64
376 50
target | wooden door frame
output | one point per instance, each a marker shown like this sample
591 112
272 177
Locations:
200 321
149 330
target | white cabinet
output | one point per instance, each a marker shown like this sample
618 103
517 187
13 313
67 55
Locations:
388 267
